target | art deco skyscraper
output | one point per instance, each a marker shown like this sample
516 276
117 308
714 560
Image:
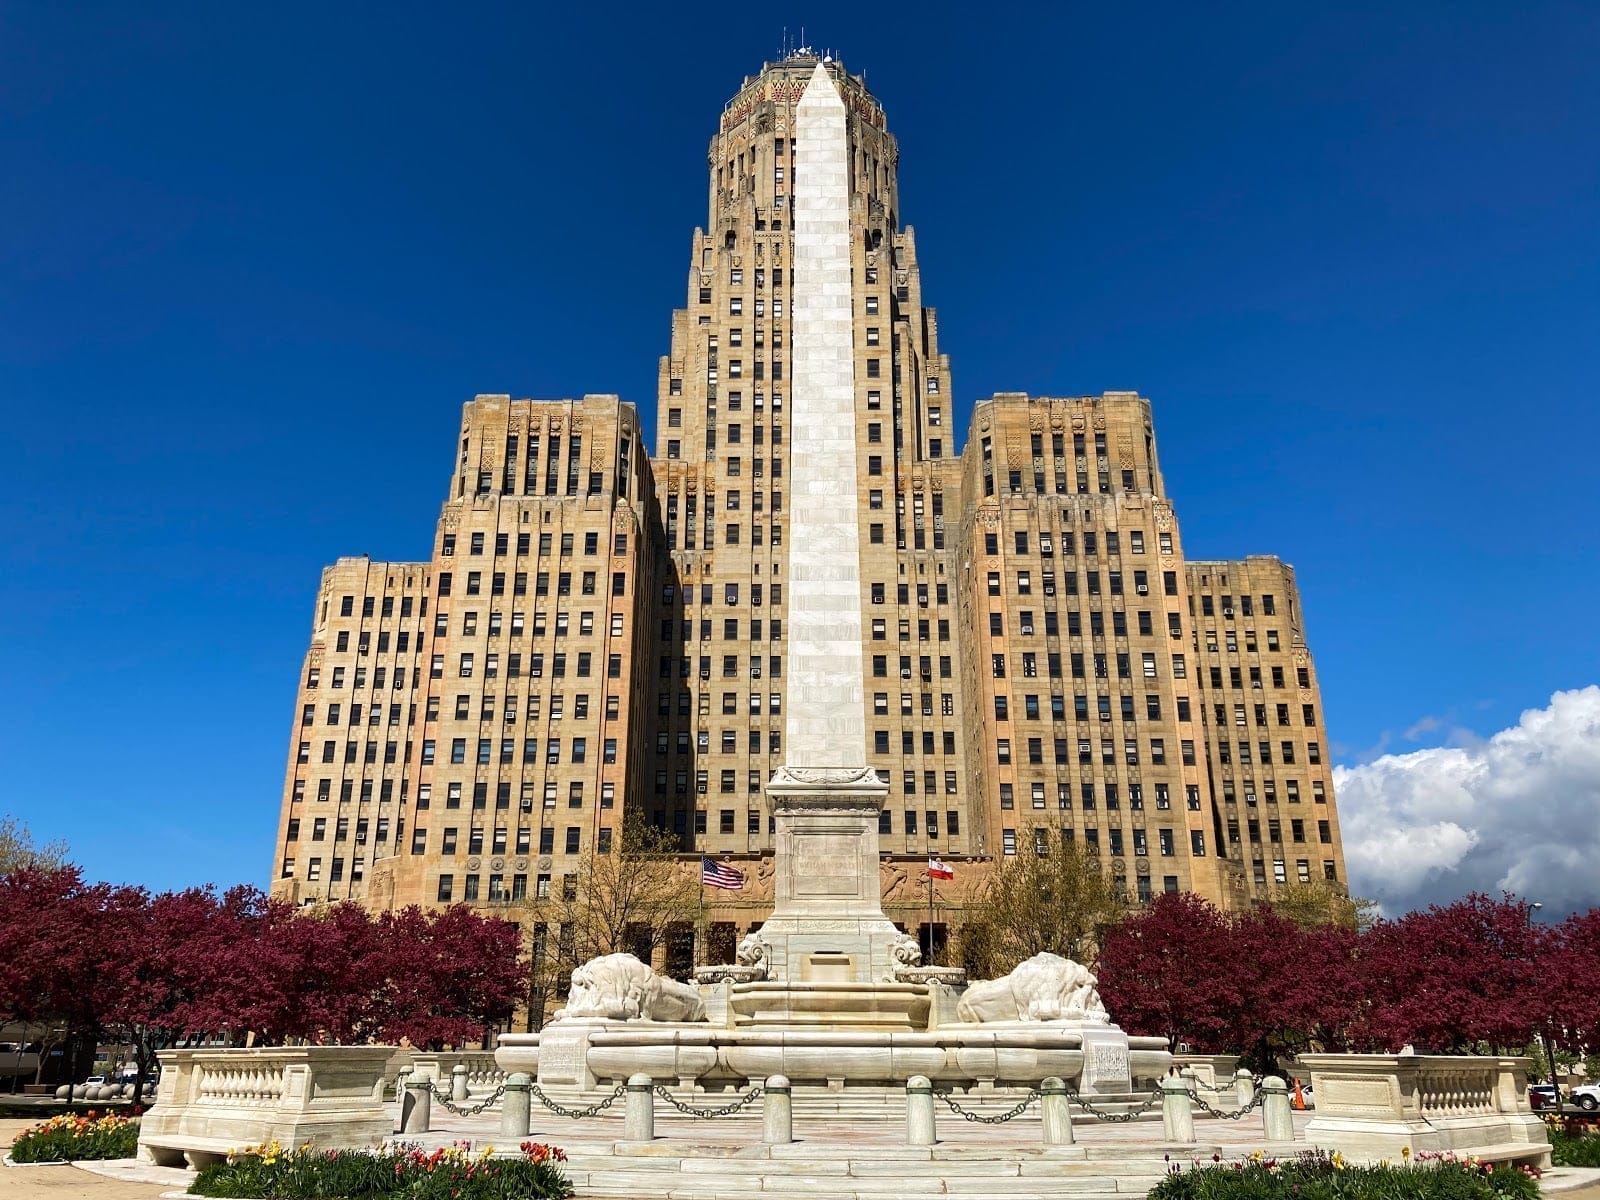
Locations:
599 631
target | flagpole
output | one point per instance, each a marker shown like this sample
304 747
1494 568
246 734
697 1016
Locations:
700 933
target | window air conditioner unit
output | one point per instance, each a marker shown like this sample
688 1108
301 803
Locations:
905 672
1256 683
527 806
1227 612
1249 797
1105 716
1143 589
361 839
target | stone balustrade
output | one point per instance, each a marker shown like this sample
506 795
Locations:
483 1074
1377 1105
213 1101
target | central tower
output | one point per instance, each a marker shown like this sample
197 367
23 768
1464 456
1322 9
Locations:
803 445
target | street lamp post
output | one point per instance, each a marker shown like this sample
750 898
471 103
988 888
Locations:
1544 1036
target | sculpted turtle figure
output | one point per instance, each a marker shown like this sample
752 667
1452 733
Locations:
1046 987
621 988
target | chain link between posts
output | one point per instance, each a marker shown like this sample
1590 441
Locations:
706 1114
467 1110
576 1114
1000 1118
1230 1114
1114 1118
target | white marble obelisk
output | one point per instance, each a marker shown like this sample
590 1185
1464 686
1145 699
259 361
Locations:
827 922
827 720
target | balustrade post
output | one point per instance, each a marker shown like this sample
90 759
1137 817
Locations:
1244 1087
639 1111
516 1114
921 1130
418 1108
458 1082
777 1111
1275 1114
1056 1112
1177 1110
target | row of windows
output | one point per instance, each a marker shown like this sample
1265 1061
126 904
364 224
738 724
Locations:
1297 831
477 543
450 843
347 606
507 753
774 742
496 889
1246 605
541 583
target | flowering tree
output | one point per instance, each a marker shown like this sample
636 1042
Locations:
1448 978
1252 982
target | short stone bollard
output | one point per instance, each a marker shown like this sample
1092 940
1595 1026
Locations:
777 1111
1177 1110
516 1109
458 1083
920 1127
639 1110
418 1107
1056 1112
1244 1087
1275 1114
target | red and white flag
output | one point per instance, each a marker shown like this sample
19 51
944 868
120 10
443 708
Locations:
937 870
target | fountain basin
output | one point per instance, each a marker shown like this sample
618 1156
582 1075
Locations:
832 1004
1019 1054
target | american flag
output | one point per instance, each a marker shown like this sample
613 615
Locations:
720 875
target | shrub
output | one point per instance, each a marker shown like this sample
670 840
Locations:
72 1137
1329 1177
449 1173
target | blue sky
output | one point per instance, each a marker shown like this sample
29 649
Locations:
252 260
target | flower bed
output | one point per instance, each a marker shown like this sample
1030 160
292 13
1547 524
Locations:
450 1173
1329 1177
1572 1143
72 1137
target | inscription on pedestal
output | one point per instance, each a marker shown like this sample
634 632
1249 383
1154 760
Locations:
826 865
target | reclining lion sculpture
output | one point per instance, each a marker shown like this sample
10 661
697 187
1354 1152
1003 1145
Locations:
1046 987
621 988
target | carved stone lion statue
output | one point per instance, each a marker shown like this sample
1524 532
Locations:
1045 988
621 988
753 951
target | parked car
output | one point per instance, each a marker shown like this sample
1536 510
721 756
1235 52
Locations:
1586 1096
1541 1096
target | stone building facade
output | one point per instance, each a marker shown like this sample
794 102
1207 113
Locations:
601 631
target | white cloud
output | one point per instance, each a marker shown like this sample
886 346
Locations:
1519 812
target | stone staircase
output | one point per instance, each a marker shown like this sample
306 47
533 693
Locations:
727 1172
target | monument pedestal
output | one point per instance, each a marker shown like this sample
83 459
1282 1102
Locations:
827 924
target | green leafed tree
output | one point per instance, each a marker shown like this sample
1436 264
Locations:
18 849
1032 903
629 899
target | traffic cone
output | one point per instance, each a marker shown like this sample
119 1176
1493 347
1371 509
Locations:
1299 1096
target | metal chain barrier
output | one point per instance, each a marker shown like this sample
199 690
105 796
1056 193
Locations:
468 1110
577 1114
1100 1114
705 1114
1230 1114
1015 1111
1214 1089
